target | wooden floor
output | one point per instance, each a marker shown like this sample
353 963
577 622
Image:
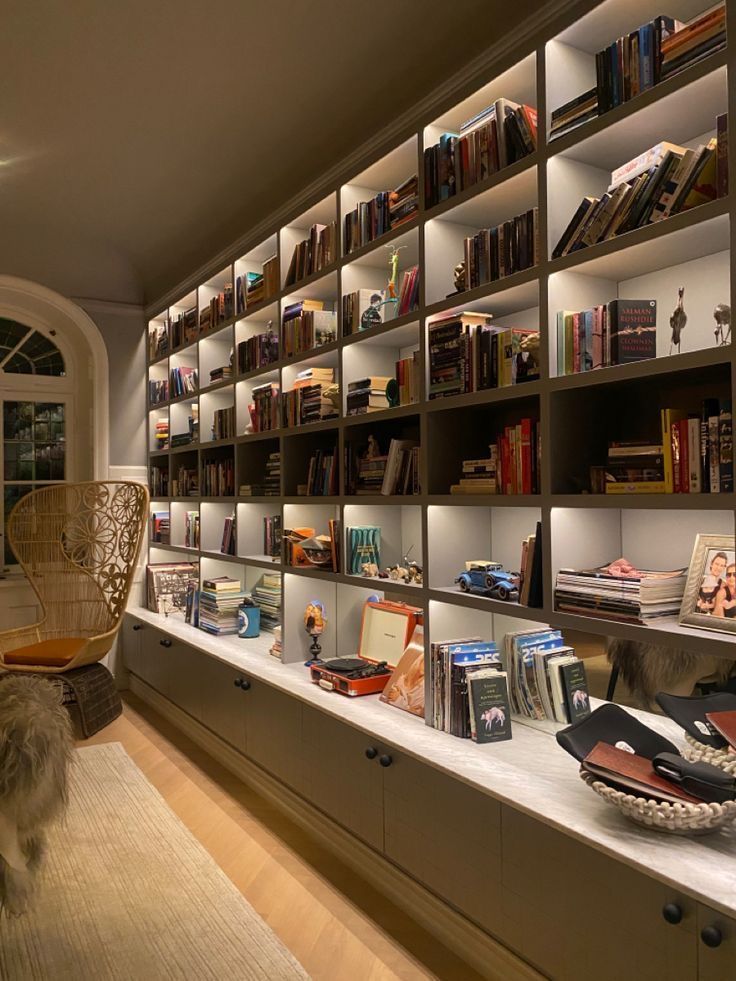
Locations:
335 924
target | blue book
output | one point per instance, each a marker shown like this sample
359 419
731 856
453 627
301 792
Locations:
646 64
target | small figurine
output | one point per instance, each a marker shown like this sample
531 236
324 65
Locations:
722 314
369 569
373 449
314 624
458 276
489 579
678 321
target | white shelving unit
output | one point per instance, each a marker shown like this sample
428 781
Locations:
691 249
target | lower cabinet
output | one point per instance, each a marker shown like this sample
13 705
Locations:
341 779
572 912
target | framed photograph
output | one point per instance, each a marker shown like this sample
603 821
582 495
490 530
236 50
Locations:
709 600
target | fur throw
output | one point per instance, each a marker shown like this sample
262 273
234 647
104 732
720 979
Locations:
649 668
36 745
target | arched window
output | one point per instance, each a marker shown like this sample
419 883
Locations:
37 407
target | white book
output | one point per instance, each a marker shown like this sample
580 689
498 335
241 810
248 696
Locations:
555 679
693 455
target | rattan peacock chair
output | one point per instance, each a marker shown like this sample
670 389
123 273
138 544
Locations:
78 544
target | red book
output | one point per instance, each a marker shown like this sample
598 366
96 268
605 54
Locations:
505 464
725 723
632 773
684 457
526 456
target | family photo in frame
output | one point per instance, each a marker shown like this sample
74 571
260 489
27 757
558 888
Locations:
709 600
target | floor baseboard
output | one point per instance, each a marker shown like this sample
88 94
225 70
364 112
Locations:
486 955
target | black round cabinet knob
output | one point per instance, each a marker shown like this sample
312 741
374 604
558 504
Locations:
238 682
245 684
137 626
371 752
165 642
672 912
385 760
711 936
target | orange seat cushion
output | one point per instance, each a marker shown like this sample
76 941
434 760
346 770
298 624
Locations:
48 653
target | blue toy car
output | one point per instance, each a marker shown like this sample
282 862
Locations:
489 579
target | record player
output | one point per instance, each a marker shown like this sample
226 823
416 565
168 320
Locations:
385 632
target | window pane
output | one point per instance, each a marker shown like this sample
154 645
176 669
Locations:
12 495
37 356
11 334
18 420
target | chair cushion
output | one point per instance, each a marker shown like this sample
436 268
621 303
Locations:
48 653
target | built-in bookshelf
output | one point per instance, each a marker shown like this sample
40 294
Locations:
574 416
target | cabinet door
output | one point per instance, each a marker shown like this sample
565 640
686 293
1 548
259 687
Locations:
340 780
185 669
716 963
154 663
446 835
224 701
273 725
131 634
577 914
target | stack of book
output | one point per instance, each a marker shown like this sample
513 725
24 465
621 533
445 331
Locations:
159 481
312 399
322 475
160 527
191 529
362 546
275 650
547 680
192 433
303 548
510 247
690 43
387 210
219 309
184 381
314 253
451 664
272 535
258 351
267 595
219 600
158 341
306 325
227 545
223 373
223 423
158 391
468 354
368 395
479 476
573 113
620 592
694 456
530 570
491 140
255 287
663 181
161 434
183 328
218 478
264 409
619 332
409 378
167 584
370 473
186 483
271 483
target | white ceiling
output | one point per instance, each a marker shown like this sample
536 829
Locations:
139 137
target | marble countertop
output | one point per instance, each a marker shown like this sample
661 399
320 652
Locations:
530 772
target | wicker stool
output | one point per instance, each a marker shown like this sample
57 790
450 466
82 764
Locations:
90 697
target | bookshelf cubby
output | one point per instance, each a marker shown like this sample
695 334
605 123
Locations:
577 414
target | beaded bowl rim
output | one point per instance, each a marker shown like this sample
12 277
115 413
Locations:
700 752
684 818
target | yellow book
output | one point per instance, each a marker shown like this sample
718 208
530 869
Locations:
669 416
639 487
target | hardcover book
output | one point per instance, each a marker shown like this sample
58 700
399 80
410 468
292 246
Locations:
575 690
490 712
633 327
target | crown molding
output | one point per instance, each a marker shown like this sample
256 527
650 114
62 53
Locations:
94 305
457 87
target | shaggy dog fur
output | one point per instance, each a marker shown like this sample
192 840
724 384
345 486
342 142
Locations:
35 750
648 668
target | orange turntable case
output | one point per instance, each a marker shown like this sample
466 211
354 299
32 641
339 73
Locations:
385 632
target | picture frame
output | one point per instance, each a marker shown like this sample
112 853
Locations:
709 600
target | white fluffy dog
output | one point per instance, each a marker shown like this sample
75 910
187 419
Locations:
35 750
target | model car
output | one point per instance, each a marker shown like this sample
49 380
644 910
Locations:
489 579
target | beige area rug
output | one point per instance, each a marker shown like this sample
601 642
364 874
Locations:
129 893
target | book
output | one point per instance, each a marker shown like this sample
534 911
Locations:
575 690
363 544
632 773
633 330
490 711
725 724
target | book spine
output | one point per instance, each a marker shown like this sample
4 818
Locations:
693 445
714 456
725 448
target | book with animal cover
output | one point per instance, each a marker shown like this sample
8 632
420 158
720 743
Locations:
490 711
575 690
632 773
405 688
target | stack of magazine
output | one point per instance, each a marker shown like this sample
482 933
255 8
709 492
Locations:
618 591
547 681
